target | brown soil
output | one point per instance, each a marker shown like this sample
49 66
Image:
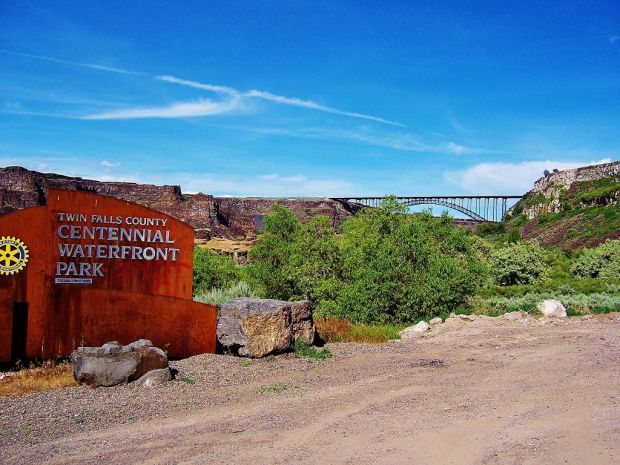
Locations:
488 391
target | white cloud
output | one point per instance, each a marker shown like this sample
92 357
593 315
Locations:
72 63
266 185
268 96
177 110
108 164
507 178
403 141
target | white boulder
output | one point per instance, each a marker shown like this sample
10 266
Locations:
552 307
435 321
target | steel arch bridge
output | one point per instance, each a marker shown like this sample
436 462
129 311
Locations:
477 207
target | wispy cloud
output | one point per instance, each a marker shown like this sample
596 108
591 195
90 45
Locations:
177 110
265 185
613 39
402 141
72 63
268 96
508 178
201 107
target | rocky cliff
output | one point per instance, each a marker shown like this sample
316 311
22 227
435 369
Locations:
228 218
551 191
571 208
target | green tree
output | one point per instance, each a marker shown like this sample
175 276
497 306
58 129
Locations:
399 267
519 263
269 272
601 262
212 271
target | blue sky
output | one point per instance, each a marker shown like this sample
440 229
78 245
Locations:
310 98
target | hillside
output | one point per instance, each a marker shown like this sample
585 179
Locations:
571 208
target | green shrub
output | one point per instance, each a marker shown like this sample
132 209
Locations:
600 262
385 267
217 296
293 261
578 303
398 268
213 271
521 263
306 350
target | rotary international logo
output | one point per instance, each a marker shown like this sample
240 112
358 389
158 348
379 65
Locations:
13 255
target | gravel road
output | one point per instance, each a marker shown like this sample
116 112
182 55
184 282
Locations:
489 391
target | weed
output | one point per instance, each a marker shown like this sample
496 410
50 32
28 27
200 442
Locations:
25 429
186 379
570 311
273 389
78 421
304 349
245 363
49 375
337 330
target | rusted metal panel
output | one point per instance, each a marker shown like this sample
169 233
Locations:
83 245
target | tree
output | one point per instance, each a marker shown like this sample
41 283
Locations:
399 268
600 262
519 263
213 271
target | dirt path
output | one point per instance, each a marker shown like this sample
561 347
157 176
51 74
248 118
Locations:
481 392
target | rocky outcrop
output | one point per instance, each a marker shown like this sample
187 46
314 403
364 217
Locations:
230 218
548 191
113 363
259 327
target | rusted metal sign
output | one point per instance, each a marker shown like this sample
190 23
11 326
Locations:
87 269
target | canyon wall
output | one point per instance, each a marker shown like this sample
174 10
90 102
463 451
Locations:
224 217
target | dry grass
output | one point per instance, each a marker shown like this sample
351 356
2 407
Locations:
47 376
335 330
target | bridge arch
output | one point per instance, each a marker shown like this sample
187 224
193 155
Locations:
477 207
444 203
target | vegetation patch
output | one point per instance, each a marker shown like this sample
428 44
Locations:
303 349
49 375
273 389
340 330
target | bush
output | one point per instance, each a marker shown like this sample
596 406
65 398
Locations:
600 262
578 303
292 261
217 296
385 267
212 271
399 268
521 263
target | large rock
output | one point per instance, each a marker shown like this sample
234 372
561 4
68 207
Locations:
552 307
113 363
259 327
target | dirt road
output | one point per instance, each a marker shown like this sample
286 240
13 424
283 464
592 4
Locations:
488 391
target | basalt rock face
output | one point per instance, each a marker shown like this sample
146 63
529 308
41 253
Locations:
230 218
550 189
571 208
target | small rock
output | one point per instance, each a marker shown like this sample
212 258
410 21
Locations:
587 317
552 307
514 316
435 321
415 330
154 378
112 347
137 344
468 317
